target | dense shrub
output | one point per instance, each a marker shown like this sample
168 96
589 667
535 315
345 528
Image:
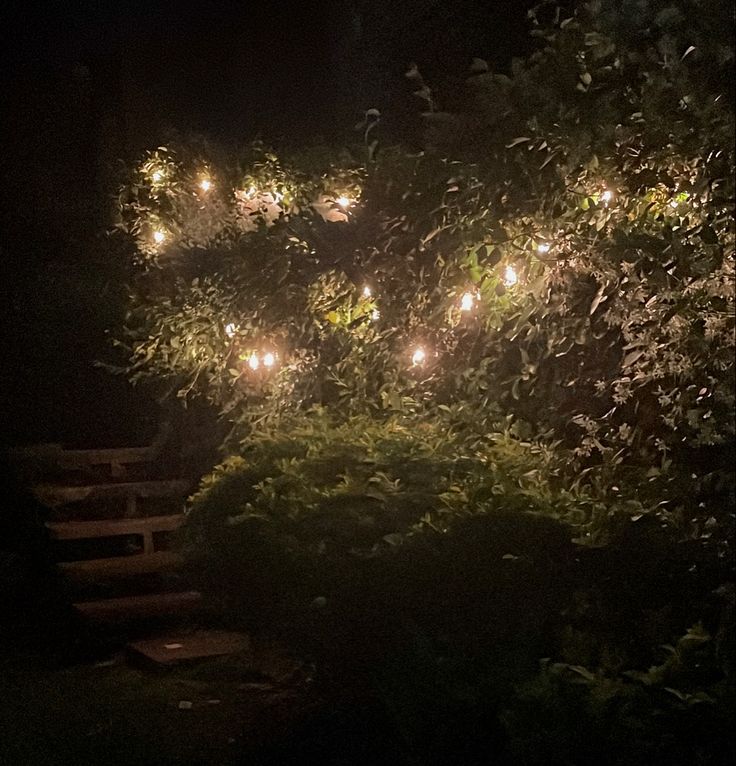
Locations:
676 712
479 356
431 580
403 518
615 152
570 265
309 510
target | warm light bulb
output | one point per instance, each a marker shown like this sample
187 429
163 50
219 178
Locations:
367 292
157 176
269 360
159 236
205 184
253 361
466 302
607 196
418 356
543 247
343 202
375 315
230 329
510 278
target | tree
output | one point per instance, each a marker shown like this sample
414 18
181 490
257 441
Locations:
562 254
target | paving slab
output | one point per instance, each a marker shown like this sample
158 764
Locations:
174 648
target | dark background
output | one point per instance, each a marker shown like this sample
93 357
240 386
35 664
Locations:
86 85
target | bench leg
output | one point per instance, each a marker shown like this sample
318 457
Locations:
147 542
131 507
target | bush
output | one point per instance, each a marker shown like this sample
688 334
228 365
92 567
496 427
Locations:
396 517
677 712
520 337
430 569
570 267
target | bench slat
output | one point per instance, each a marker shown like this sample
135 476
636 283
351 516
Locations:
81 530
122 566
131 607
125 456
81 458
55 495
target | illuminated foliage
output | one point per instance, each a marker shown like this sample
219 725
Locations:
572 266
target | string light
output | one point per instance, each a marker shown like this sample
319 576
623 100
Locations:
157 176
375 315
510 277
607 196
466 302
269 359
418 357
343 202
253 362
543 247
230 329
159 236
367 292
205 184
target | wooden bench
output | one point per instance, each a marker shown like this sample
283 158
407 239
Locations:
56 495
148 561
86 493
116 459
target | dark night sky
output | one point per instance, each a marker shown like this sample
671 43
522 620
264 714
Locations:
88 83
234 68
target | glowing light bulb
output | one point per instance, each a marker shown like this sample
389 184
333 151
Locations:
466 302
367 292
418 356
159 236
230 329
253 362
510 277
343 202
205 184
269 360
375 315
157 176
607 196
543 247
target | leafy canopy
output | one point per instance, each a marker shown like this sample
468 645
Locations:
562 252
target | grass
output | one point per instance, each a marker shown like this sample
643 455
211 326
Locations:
117 715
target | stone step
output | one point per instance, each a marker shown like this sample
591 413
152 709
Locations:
176 648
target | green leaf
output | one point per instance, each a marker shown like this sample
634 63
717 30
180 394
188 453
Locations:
631 357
